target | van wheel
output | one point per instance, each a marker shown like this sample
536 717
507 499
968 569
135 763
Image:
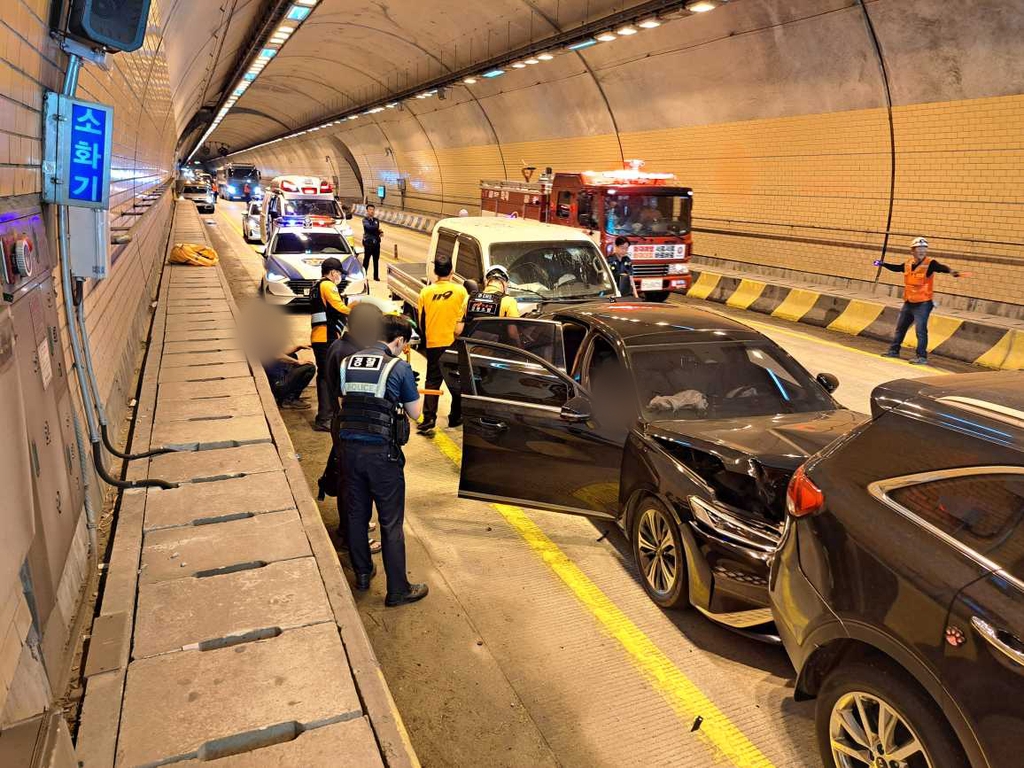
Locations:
872 713
659 555
658 296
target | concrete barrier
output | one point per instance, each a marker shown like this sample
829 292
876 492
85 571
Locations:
986 341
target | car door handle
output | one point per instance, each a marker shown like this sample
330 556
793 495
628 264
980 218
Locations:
1007 644
492 425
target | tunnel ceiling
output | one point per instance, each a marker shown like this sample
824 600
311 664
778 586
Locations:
346 54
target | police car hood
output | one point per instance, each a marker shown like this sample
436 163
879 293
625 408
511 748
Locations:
306 266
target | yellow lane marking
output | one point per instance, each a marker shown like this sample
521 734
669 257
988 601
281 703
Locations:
816 340
939 329
857 316
1007 354
797 304
748 292
685 698
706 283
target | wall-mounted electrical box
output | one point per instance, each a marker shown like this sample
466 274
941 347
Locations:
89 234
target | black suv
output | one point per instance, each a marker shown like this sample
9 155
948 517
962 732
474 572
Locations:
898 587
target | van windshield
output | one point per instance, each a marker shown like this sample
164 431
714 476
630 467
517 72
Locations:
553 271
312 208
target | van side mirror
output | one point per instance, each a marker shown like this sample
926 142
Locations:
828 381
577 409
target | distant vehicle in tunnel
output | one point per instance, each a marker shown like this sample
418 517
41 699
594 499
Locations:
898 587
680 425
237 182
647 208
202 195
251 222
298 197
292 259
547 264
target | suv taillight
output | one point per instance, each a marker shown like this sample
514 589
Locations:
325 186
803 497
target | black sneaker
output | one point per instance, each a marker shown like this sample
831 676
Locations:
426 425
919 361
318 427
890 353
363 580
416 592
453 423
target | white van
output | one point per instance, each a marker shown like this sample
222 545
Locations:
292 200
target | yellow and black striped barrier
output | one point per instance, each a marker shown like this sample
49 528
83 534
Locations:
991 346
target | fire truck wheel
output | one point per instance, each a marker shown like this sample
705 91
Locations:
658 296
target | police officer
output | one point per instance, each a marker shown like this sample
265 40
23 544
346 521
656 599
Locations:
441 310
621 266
918 291
372 235
327 321
493 300
379 396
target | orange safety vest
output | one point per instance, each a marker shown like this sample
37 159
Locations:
918 285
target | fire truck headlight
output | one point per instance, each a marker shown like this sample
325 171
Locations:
678 269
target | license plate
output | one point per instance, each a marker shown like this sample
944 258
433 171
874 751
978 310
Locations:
651 284
305 291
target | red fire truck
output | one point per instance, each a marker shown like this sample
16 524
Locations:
647 208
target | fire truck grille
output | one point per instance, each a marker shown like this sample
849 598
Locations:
650 270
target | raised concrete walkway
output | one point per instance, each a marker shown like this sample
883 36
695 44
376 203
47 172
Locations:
227 635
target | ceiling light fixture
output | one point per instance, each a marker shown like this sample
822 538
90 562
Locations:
650 23
493 73
626 31
518 65
532 61
545 56
606 37
469 80
703 6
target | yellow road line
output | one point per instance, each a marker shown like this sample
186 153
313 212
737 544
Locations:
685 698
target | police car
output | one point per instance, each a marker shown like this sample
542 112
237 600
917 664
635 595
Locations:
292 259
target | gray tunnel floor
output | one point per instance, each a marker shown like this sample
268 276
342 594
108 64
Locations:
537 644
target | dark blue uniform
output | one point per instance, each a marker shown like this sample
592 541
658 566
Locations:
371 244
374 385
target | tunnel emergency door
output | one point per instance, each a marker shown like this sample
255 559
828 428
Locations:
522 441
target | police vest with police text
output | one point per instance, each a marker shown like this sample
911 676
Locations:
364 404
484 304
323 313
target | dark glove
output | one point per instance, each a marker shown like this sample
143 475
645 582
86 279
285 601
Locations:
877 262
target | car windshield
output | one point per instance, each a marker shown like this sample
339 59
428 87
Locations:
312 208
552 271
242 173
194 190
667 214
722 381
310 242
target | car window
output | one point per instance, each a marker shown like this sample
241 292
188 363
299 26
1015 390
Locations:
982 512
607 380
254 209
312 208
445 244
718 381
573 335
468 262
542 338
193 190
516 379
554 270
310 242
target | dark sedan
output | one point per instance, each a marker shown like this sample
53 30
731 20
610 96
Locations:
899 584
681 425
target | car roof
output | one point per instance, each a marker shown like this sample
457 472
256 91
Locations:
643 323
500 229
989 405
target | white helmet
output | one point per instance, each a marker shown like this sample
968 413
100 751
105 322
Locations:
463 212
919 242
498 272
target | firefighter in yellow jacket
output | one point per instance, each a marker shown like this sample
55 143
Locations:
327 320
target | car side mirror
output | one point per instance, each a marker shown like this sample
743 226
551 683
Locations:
577 409
828 381
261 251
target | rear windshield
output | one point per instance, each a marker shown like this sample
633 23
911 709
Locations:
310 242
722 381
193 190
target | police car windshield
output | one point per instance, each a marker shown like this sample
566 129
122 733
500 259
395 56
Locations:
310 242
312 208
555 270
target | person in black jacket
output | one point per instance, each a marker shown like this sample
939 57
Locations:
371 241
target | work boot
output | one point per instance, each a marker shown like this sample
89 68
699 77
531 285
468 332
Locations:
363 579
426 426
416 592
453 423
321 427
890 353
294 405
919 361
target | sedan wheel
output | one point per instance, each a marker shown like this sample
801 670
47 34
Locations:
873 715
659 556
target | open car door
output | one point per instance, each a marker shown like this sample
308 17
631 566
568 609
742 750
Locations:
528 433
